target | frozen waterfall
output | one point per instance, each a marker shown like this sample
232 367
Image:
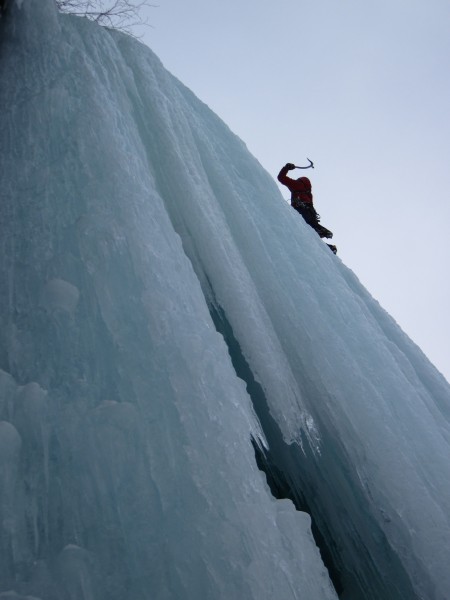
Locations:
186 370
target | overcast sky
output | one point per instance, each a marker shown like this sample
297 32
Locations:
361 88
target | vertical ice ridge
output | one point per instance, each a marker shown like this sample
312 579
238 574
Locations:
136 433
124 197
290 473
412 358
239 215
328 311
197 209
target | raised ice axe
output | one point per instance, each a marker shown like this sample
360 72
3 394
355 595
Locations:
310 166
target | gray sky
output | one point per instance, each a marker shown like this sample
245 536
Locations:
363 89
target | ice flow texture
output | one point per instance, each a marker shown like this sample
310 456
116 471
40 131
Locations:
127 464
129 213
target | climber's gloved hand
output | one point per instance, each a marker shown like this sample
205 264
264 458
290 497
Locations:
289 166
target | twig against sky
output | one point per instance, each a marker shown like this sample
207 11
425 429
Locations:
123 15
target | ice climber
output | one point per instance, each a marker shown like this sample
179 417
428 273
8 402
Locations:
302 201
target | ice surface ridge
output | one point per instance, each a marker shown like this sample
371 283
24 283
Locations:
161 308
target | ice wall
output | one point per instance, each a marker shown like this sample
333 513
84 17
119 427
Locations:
134 225
127 468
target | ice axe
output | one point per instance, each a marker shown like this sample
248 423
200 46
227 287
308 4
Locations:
310 166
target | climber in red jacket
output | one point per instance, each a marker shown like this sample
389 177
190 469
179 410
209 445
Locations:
302 200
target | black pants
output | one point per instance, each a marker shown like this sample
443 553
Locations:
308 212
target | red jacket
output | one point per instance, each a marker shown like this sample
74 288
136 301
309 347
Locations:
300 188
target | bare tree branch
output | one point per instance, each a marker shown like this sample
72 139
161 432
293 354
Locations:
123 15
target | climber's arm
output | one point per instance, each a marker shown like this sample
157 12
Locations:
282 175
